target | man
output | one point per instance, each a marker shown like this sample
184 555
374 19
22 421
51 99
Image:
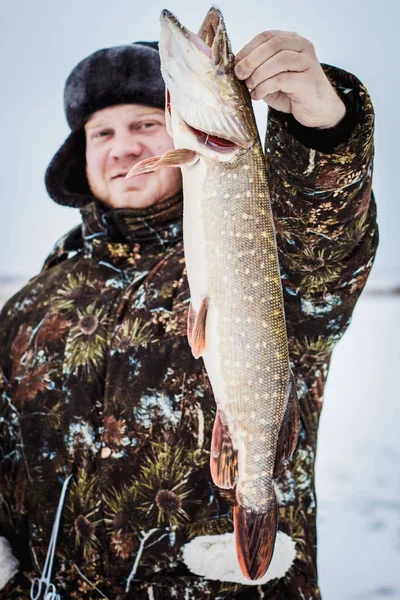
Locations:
106 415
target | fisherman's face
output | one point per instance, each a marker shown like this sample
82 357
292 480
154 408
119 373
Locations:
117 138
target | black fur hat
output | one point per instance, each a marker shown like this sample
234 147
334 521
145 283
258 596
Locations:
119 75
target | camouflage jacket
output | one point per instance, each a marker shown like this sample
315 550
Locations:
97 381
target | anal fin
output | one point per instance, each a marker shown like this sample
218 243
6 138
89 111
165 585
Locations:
223 458
255 535
289 432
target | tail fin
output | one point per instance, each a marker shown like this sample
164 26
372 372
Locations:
255 535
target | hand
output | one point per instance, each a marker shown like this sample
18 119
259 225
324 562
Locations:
282 68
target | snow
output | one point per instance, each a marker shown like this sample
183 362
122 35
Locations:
214 557
358 460
8 563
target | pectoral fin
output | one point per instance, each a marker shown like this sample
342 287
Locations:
197 328
172 158
289 432
223 458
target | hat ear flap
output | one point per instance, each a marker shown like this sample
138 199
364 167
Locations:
65 177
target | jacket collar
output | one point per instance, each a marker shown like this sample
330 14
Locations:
159 225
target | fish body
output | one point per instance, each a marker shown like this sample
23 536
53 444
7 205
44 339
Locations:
236 318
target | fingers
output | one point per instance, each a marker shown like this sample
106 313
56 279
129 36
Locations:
280 49
289 83
282 62
261 38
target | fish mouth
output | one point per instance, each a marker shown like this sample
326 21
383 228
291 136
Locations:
198 70
214 142
202 41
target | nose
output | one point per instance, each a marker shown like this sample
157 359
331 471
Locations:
125 144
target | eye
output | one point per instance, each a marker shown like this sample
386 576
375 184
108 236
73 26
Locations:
102 133
147 125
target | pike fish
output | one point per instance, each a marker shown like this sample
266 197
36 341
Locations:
236 319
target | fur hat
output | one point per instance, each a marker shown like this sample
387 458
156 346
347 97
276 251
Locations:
119 75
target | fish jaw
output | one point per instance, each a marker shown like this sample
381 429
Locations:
201 82
186 137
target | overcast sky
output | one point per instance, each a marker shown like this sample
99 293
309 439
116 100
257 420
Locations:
42 41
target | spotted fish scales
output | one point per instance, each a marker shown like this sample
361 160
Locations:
236 318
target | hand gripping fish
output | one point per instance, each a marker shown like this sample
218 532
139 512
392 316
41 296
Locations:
236 317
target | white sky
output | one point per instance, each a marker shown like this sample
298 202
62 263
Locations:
41 41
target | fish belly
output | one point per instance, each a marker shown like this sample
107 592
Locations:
198 267
231 259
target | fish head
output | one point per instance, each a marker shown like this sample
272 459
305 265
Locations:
208 109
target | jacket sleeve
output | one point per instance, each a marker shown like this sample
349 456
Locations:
325 216
7 439
10 530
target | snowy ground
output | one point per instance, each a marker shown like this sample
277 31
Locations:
358 465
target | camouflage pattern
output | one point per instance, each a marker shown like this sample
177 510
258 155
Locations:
97 379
